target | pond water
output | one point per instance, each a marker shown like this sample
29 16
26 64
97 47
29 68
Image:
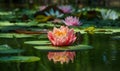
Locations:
105 56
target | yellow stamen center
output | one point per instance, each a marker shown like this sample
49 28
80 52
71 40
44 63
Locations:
60 33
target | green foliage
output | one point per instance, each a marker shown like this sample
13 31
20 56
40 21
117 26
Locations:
37 42
10 35
5 49
19 59
63 48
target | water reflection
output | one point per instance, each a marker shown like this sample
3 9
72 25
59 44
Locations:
104 57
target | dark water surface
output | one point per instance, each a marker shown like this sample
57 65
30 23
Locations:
105 56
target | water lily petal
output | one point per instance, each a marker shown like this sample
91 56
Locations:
72 21
62 36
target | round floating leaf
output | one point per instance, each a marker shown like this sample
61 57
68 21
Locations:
10 35
6 23
5 49
37 42
11 51
43 36
46 24
31 23
116 37
11 28
64 48
19 59
38 30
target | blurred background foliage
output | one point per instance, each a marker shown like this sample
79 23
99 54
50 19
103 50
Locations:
10 4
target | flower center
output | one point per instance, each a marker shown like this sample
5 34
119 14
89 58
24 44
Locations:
60 33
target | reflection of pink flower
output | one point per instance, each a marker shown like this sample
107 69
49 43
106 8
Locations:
66 9
61 56
62 36
72 21
42 8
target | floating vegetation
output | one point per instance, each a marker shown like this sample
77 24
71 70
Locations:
37 42
42 18
10 35
46 25
43 36
5 49
90 30
19 59
6 23
116 37
63 48
11 51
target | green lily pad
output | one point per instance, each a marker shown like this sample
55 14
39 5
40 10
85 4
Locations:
10 35
31 23
43 36
64 48
6 23
116 37
40 30
46 24
37 42
11 51
11 28
19 59
5 49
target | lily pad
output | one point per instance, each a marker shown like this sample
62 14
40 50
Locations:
5 49
11 51
46 24
64 48
6 23
10 35
11 28
19 59
43 36
39 30
37 42
116 37
31 23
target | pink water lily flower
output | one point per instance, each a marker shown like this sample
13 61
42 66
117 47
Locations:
66 8
72 21
62 36
61 57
